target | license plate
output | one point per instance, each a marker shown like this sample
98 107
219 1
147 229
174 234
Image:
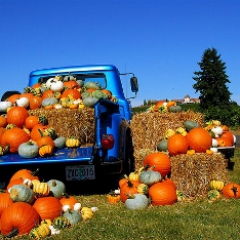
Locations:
80 173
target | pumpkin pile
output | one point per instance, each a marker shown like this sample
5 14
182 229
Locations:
37 208
155 183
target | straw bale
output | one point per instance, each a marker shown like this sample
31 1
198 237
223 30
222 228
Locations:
192 173
70 122
148 128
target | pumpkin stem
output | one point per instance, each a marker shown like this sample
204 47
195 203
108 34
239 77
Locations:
41 133
13 233
35 172
65 195
235 190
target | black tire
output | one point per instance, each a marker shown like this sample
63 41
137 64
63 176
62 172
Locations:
129 163
7 94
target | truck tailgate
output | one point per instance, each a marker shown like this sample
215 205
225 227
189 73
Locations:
63 155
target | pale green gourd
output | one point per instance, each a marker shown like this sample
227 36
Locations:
137 202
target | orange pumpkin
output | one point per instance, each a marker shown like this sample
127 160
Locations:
31 121
35 102
27 95
37 130
47 94
13 98
127 189
3 121
44 141
73 92
231 190
13 138
228 135
5 201
160 161
163 193
177 144
17 116
48 207
199 139
24 174
68 200
224 142
71 84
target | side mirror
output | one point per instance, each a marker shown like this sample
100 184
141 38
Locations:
134 84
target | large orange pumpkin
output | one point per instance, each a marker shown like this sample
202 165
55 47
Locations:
160 161
73 92
224 142
18 218
5 201
48 207
36 131
3 121
17 116
14 137
163 193
24 174
231 190
177 144
199 139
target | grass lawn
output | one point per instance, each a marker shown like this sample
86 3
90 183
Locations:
190 220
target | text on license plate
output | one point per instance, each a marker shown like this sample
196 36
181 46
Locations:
79 173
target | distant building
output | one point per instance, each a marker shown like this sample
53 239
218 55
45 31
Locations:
185 100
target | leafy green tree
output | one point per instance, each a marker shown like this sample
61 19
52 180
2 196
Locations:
211 81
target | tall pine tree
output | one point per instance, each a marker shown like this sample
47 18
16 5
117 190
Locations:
211 81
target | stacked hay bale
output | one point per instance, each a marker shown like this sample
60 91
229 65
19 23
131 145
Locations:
70 122
191 173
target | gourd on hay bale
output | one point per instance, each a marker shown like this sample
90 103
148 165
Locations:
78 123
148 129
192 173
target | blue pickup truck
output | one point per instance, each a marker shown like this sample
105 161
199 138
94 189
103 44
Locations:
111 118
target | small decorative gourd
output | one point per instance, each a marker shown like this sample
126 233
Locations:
41 189
73 216
21 193
61 222
72 142
213 195
57 188
113 198
60 142
28 149
86 213
137 202
217 185
142 188
40 231
46 150
150 176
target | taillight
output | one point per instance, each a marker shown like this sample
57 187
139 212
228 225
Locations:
107 141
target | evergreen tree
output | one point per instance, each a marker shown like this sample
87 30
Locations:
211 81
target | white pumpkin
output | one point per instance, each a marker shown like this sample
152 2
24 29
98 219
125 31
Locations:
22 102
4 105
55 85
217 130
214 142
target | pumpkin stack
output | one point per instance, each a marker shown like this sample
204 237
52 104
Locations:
29 206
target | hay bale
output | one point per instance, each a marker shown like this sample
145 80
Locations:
70 122
148 128
192 173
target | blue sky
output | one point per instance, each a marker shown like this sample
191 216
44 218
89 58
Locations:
161 41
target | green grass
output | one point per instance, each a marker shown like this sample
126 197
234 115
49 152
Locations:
190 220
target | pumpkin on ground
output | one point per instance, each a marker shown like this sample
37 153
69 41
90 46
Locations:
231 190
73 216
199 139
48 207
137 202
25 174
160 161
18 219
68 200
163 193
127 189
5 201
86 213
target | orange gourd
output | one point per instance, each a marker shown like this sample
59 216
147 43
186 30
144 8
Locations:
224 142
71 84
177 144
68 200
160 161
199 139
5 201
17 116
228 135
35 102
